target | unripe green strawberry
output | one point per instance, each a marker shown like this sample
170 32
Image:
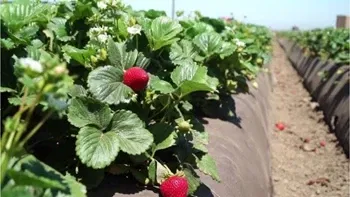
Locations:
240 49
184 126
231 85
174 186
103 54
259 61
136 78
93 59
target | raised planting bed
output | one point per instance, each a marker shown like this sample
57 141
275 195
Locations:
328 83
94 91
239 145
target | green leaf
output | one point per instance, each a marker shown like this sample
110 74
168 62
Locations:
122 27
133 138
251 67
6 89
26 33
183 52
18 100
119 57
192 86
210 43
84 111
191 78
163 32
192 179
40 173
152 171
160 85
49 34
186 105
184 72
207 165
198 28
106 84
96 149
29 178
227 49
77 90
34 52
7 43
200 140
164 136
16 15
142 61
58 26
154 13
76 189
80 55
16 191
161 171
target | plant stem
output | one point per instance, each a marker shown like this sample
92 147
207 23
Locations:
35 129
178 110
30 113
165 106
4 163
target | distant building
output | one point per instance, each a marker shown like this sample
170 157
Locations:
343 21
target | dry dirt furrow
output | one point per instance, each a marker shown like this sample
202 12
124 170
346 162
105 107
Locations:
301 168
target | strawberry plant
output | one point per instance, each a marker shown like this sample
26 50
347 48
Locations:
328 43
124 86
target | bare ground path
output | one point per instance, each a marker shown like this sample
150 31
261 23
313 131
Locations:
302 169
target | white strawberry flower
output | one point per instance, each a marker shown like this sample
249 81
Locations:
102 38
114 2
239 43
133 30
98 30
31 64
102 5
60 69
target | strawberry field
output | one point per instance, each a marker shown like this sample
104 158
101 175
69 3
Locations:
321 57
329 43
95 88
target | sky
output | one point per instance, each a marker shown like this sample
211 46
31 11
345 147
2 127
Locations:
276 14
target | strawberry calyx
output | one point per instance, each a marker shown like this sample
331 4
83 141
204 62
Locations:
169 175
174 185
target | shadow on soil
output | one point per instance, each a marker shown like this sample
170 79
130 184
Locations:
115 186
223 109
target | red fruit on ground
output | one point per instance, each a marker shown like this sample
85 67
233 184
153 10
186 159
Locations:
136 78
280 126
323 143
175 186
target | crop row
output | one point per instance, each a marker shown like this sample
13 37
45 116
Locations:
328 43
95 87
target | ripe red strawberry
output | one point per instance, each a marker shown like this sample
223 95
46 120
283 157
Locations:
136 78
280 126
174 186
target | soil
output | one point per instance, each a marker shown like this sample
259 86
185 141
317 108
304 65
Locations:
301 166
